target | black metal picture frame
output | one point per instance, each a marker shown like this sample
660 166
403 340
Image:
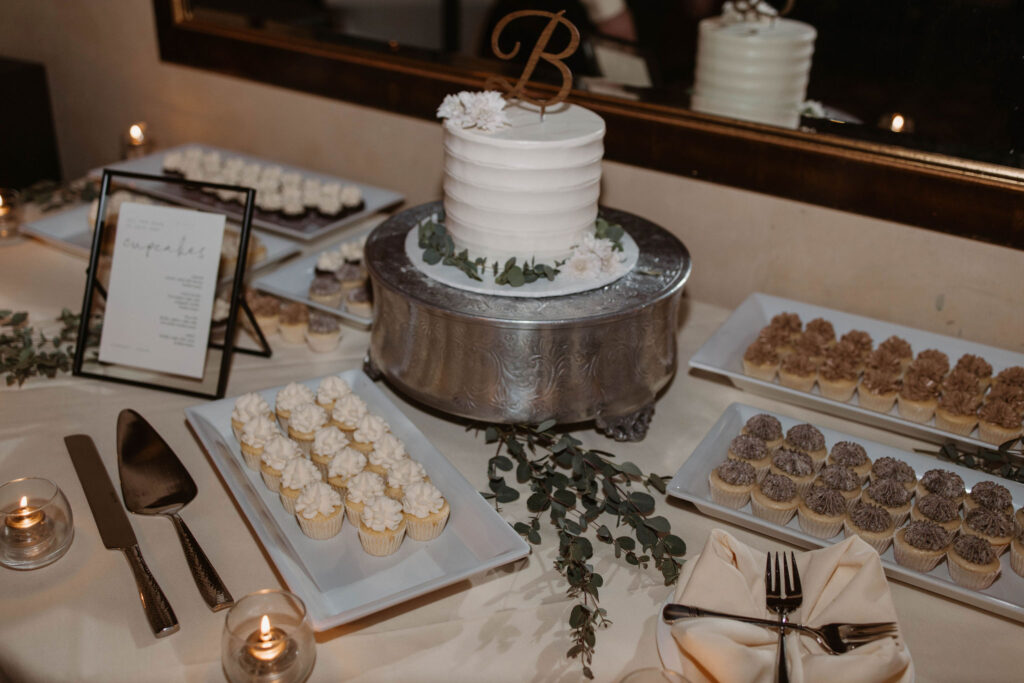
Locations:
152 379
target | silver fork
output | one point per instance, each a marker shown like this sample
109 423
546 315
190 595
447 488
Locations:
837 638
782 605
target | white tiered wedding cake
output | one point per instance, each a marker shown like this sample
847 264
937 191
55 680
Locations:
753 66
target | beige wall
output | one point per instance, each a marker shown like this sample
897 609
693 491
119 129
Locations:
104 72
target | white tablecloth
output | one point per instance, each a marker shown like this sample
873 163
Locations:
80 619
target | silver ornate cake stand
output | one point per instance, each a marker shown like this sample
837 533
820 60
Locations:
600 355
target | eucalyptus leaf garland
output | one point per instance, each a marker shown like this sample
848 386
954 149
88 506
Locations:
1003 461
588 497
25 353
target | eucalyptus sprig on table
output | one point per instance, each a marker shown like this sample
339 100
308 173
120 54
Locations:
49 194
574 486
25 353
1003 461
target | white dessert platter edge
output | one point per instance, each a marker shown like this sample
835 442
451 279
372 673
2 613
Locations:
374 198
1004 597
336 579
722 354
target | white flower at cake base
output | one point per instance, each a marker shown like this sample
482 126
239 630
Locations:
482 110
583 265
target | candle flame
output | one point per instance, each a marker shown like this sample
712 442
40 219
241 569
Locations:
24 502
135 133
1 200
897 123
265 628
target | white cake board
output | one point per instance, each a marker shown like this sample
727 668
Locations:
562 285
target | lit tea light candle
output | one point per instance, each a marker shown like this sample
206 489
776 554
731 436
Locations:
267 638
37 523
269 652
5 207
137 134
23 517
137 141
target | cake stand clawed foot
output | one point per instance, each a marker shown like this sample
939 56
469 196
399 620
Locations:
632 427
371 370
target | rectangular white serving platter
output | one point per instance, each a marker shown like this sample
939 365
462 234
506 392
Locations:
722 354
1005 597
336 578
374 198
69 230
291 281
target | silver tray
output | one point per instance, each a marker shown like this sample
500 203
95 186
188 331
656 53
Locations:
722 354
1005 597
337 580
306 228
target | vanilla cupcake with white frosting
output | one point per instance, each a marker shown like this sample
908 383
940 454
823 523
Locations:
296 475
330 390
290 398
368 432
426 511
303 424
276 454
319 511
345 464
347 412
327 442
359 489
253 438
387 451
351 196
381 526
247 407
401 474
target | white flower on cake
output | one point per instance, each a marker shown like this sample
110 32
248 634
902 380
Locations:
592 258
583 265
482 110
748 10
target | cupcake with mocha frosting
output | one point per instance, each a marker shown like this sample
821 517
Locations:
918 397
765 427
296 475
977 366
293 322
796 465
938 509
957 412
248 407
323 332
751 449
347 412
891 468
254 437
872 523
381 526
998 422
778 339
932 362
1013 376
330 390
290 398
842 479
859 340
962 381
837 377
267 311
731 482
878 390
972 562
426 511
942 482
921 545
346 463
327 442
809 439
1007 393
822 329
812 346
303 424
319 511
851 454
789 323
899 347
360 489
325 290
990 495
761 360
890 495
996 528
821 512
775 499
883 361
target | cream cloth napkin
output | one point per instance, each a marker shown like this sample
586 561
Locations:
841 583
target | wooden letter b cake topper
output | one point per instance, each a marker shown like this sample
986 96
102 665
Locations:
519 89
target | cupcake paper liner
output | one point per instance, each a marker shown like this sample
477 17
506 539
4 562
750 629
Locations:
1017 558
908 557
776 516
321 527
428 528
252 456
879 544
381 543
287 500
880 403
820 528
732 499
272 480
969 579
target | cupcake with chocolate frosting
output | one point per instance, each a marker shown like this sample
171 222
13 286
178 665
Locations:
998 422
326 290
812 346
921 545
822 329
884 361
821 512
796 465
789 323
962 380
990 495
851 454
860 340
957 412
918 396
938 509
933 362
323 332
878 390
891 468
761 360
942 482
891 496
765 427
837 377
750 449
731 483
899 347
972 562
807 438
872 523
1013 376
775 499
842 479
798 371
778 339
995 527
1007 393
977 366
853 352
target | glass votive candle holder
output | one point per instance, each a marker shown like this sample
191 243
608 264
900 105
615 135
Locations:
10 213
267 637
37 526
